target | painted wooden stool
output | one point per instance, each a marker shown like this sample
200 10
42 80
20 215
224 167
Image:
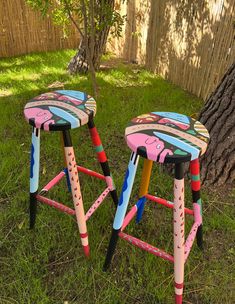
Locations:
163 137
61 111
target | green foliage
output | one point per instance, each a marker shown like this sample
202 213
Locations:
63 10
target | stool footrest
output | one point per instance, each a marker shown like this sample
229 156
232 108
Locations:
53 182
166 203
190 239
55 204
90 172
147 247
97 203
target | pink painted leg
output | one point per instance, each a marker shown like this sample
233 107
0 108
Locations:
179 232
76 191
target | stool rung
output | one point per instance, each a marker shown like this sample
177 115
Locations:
90 172
190 239
145 246
129 217
97 203
55 204
132 213
166 203
53 182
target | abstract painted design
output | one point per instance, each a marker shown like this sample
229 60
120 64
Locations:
60 110
179 246
34 163
167 137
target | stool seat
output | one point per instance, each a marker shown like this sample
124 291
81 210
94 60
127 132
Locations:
60 110
167 137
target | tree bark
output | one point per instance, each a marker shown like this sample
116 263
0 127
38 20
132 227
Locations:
218 115
80 63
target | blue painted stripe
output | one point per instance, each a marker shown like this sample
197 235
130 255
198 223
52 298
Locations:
65 115
75 94
140 206
126 193
179 143
173 115
34 170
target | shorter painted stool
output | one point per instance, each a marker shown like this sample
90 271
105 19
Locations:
61 111
163 137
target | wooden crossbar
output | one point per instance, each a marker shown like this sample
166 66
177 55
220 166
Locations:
147 247
166 203
55 204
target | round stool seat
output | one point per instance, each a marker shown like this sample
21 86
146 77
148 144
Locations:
167 137
60 110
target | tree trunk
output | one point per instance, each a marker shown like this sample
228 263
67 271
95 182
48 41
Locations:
218 115
79 63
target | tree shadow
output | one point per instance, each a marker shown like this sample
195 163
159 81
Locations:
191 42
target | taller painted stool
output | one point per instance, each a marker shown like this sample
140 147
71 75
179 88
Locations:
163 137
61 111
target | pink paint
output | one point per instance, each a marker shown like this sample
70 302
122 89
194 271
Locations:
179 234
76 192
90 172
190 239
54 181
55 204
97 203
40 116
154 146
70 99
174 123
145 246
197 213
109 182
49 95
129 217
165 203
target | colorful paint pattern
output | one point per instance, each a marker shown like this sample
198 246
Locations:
167 137
60 110
126 191
34 163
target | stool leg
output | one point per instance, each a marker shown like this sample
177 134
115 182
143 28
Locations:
179 232
144 185
76 191
122 207
197 202
65 164
34 176
102 159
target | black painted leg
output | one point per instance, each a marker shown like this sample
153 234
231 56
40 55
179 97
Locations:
102 159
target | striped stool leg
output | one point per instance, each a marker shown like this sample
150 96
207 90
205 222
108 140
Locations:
102 159
65 164
144 185
34 176
179 232
122 207
197 202
76 191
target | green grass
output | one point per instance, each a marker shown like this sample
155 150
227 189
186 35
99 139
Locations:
47 265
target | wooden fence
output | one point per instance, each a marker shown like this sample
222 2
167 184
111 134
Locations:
191 43
23 30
